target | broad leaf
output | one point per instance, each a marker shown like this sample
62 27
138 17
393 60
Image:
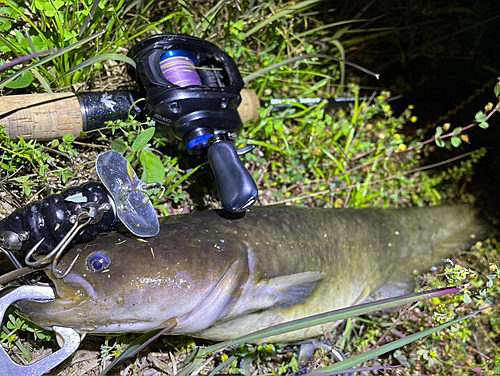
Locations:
153 170
142 140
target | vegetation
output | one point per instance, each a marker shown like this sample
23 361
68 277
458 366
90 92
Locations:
363 155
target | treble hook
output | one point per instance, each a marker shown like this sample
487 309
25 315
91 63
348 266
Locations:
58 274
64 241
70 338
94 214
59 249
37 263
91 215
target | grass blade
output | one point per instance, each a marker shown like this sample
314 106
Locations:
316 30
299 7
187 175
358 359
340 47
364 369
193 360
140 343
98 59
35 72
266 145
264 71
313 89
226 363
89 17
319 319
22 59
339 314
56 54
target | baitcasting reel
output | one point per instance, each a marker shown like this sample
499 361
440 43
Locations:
192 91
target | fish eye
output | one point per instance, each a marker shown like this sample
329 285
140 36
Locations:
98 262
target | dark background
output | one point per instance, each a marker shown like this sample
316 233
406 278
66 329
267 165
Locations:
442 57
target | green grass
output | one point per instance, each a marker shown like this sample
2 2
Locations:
361 156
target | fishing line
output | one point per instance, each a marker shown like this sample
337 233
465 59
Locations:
179 68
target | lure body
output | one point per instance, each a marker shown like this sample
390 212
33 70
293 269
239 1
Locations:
51 219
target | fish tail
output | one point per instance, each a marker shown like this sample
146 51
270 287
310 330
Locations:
444 231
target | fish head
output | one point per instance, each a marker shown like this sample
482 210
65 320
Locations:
118 286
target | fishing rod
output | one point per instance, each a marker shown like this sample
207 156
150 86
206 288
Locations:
194 93
46 117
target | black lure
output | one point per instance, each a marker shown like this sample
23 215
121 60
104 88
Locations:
53 217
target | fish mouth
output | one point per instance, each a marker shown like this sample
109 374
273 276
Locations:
71 289
70 292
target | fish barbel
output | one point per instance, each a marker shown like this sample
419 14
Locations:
225 276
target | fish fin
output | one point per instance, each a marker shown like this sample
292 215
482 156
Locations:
215 303
461 240
294 289
282 291
363 296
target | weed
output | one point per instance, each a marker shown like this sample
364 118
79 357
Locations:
112 351
61 24
19 159
357 160
16 325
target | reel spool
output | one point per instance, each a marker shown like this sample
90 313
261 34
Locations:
192 91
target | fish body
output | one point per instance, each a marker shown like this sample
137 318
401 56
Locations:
224 276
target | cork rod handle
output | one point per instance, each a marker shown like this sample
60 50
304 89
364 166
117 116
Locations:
41 116
248 107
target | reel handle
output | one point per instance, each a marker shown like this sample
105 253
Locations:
237 189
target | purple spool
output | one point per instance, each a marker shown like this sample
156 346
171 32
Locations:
179 68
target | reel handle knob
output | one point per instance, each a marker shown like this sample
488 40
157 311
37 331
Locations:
237 189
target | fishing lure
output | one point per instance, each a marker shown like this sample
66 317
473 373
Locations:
48 221
80 214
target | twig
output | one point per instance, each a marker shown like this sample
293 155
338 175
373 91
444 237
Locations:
477 352
92 145
418 169
452 134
